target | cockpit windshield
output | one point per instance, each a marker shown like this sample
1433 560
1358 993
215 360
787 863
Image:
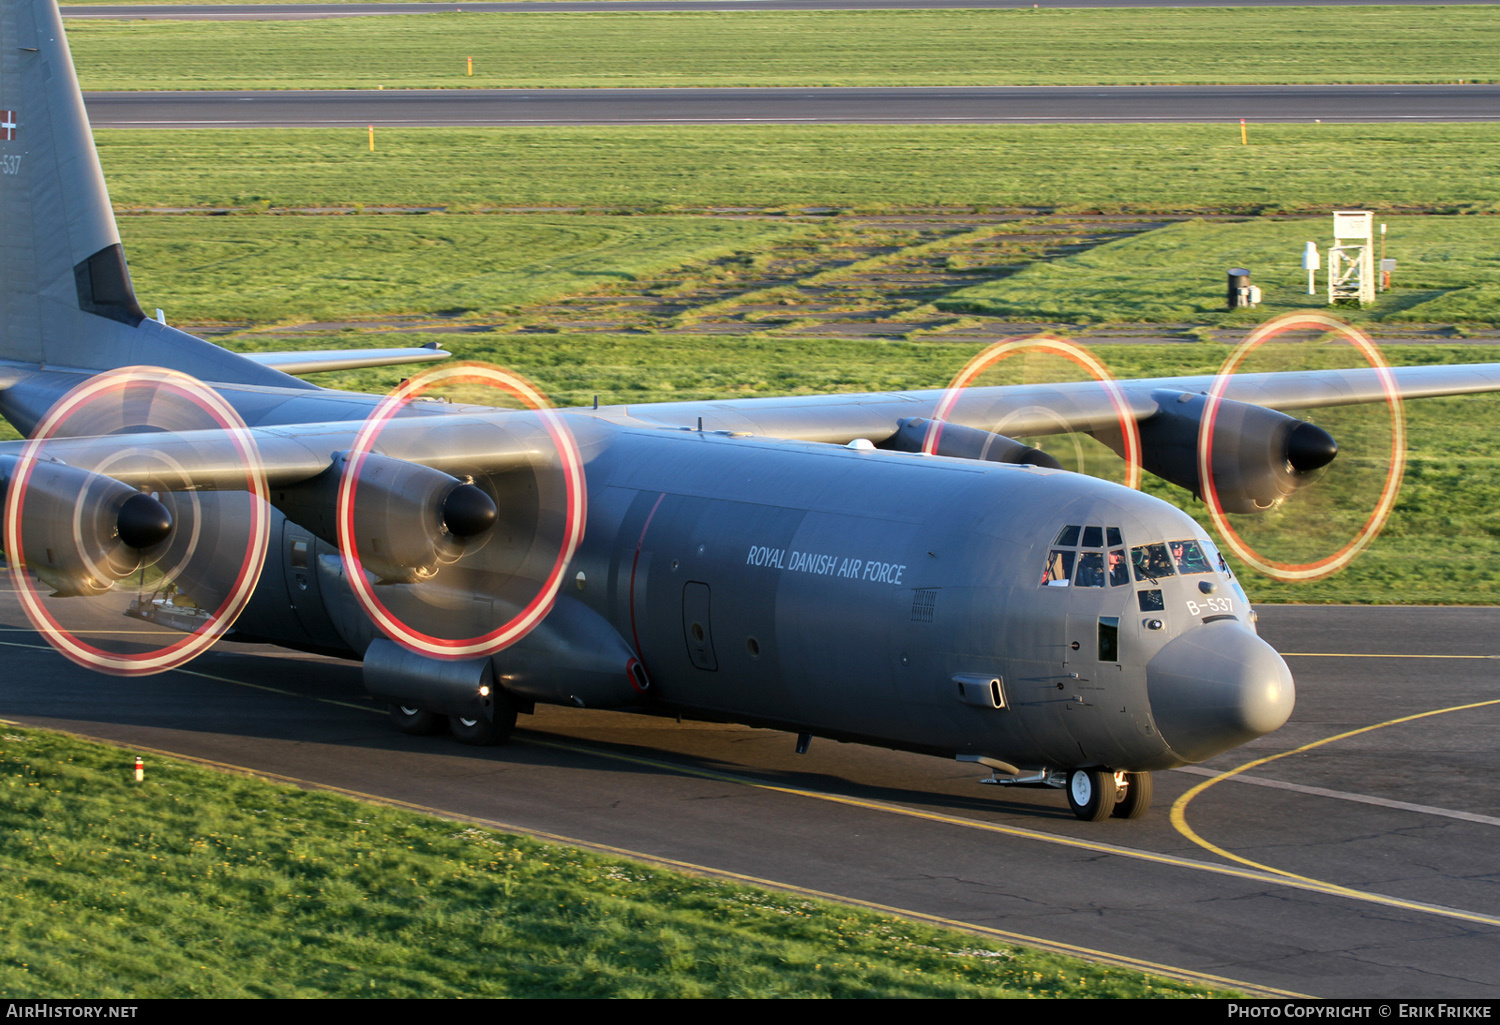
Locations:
1151 562
1189 557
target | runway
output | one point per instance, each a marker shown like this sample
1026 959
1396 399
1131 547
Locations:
936 105
289 12
1366 863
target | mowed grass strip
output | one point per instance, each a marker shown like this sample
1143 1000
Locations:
319 268
797 48
200 884
1447 271
1136 168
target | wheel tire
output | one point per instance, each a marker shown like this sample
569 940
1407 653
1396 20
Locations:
1136 800
417 722
482 732
1091 793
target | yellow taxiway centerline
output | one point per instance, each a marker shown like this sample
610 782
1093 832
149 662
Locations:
1179 820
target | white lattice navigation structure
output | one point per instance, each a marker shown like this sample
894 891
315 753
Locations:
1351 260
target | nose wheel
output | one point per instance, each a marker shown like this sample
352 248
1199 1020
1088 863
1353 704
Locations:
1096 794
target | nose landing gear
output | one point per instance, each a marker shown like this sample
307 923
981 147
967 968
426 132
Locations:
1096 794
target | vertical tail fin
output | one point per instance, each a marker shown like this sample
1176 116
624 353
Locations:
66 300
64 286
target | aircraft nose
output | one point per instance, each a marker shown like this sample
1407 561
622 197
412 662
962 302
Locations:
1217 686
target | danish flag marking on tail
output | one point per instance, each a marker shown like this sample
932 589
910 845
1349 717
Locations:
8 127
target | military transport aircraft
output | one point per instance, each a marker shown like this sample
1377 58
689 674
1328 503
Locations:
880 568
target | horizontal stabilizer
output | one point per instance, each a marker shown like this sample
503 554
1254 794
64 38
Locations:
316 362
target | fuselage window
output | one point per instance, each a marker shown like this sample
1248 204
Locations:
1151 562
1189 558
1119 573
1059 569
1091 569
1150 601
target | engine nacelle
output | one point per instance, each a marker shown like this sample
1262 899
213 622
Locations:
408 519
966 443
1260 456
81 531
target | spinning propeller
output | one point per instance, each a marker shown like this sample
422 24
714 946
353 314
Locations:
1243 459
1321 501
1058 427
452 553
138 518
145 570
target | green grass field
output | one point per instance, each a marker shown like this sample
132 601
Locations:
1448 271
797 48
200 884
265 269
1159 168
261 270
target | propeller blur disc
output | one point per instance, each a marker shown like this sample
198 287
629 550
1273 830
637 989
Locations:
505 537
949 409
148 570
1307 450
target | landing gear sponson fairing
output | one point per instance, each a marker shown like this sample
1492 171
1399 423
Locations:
793 563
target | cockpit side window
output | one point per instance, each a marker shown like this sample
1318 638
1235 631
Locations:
1216 558
1059 569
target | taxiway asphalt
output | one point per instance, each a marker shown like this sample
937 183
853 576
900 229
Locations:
934 105
1370 869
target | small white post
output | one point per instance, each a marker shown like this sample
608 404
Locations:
1311 262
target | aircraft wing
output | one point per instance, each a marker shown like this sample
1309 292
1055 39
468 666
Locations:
487 442
501 440
1048 408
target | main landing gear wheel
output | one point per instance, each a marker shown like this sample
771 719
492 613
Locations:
1091 793
1134 796
482 732
417 722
